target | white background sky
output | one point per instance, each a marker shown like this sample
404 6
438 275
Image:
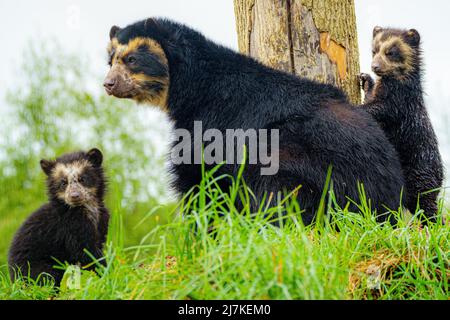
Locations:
83 26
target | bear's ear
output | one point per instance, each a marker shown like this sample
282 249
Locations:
113 32
47 166
95 157
377 30
413 37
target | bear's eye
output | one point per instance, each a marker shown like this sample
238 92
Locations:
63 183
391 52
131 60
83 179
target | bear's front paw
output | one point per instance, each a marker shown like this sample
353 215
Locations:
366 82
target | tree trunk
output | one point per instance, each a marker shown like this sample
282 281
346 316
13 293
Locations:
312 38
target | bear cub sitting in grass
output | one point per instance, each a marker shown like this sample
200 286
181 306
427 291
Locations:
75 219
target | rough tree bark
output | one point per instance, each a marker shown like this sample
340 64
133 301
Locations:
312 38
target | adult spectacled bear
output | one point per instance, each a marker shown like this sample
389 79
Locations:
176 68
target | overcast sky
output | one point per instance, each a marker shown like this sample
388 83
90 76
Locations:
83 26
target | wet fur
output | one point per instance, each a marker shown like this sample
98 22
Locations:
396 102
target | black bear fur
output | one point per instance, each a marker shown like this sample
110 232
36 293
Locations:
318 125
59 230
396 102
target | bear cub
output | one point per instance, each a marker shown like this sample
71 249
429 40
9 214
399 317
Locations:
74 219
396 102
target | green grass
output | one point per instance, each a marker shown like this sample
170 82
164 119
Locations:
160 250
241 255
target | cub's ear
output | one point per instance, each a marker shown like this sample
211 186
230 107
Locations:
413 37
113 32
47 166
95 157
377 30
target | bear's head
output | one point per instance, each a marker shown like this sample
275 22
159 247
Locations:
139 67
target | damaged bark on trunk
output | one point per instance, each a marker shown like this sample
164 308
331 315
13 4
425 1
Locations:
311 38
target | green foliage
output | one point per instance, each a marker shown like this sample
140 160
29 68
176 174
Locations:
204 247
211 250
56 111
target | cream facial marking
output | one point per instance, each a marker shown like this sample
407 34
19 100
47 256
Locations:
381 44
71 171
135 84
74 193
122 50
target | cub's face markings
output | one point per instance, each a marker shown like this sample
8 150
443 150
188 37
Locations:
74 183
139 70
393 54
